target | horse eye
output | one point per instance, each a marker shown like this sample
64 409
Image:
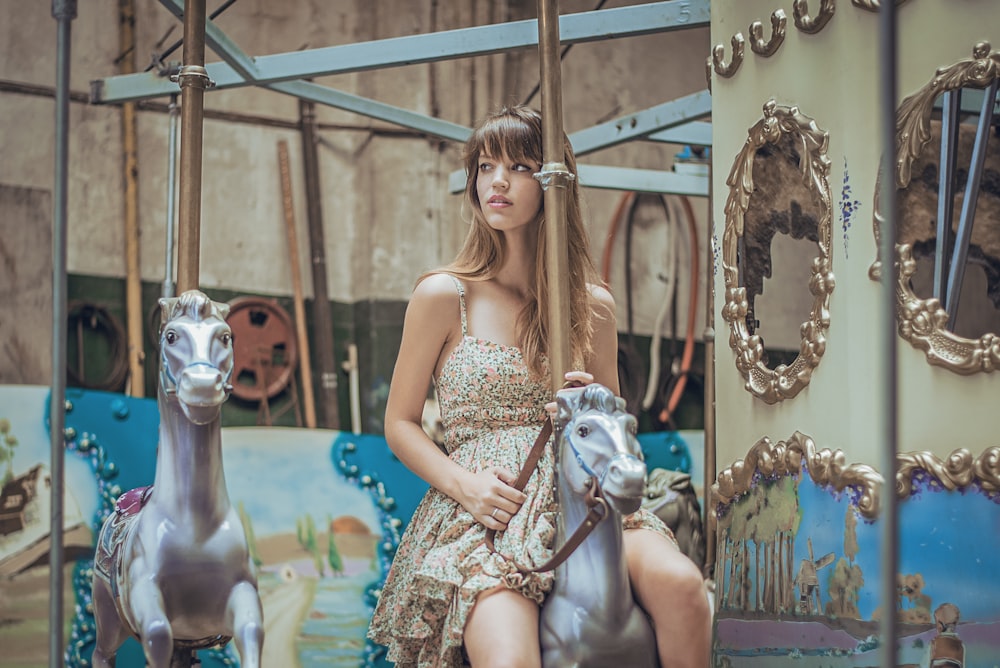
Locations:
226 338
170 337
583 431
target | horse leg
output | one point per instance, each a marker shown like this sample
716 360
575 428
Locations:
245 617
151 622
111 633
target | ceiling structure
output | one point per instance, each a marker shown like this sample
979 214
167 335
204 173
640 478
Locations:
680 121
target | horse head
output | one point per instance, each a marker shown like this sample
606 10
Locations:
196 354
598 444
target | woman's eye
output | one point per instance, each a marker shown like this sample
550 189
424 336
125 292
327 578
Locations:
522 168
485 166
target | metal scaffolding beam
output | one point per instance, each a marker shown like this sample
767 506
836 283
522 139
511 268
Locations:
238 69
643 123
623 178
675 122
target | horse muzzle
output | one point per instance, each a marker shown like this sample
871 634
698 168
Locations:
624 483
202 386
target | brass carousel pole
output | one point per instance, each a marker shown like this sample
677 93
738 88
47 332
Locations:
555 179
193 80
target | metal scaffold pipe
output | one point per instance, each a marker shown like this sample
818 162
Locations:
168 273
888 54
555 178
63 11
193 80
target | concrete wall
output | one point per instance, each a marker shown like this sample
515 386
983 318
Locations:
387 213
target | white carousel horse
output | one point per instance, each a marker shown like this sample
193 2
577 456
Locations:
172 566
590 619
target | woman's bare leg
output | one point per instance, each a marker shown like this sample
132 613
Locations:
502 631
671 589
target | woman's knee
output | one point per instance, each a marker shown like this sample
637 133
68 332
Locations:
502 632
659 570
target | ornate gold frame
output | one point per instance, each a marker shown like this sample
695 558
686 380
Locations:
872 5
785 381
959 470
923 322
826 467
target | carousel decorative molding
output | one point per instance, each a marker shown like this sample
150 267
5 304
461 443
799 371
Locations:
960 470
812 24
924 322
767 460
722 68
784 381
872 5
756 30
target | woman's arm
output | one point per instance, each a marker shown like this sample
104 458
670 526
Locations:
429 327
432 328
604 364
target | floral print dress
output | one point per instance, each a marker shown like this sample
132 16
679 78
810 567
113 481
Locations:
492 410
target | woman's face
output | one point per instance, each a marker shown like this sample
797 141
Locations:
509 195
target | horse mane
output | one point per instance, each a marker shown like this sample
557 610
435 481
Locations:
593 397
193 304
598 397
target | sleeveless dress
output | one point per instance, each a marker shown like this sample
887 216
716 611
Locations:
492 410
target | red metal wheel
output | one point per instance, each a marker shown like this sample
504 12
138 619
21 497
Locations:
265 352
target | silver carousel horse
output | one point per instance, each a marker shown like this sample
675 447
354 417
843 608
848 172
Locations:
172 566
590 619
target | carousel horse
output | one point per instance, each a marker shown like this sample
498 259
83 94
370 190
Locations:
172 566
590 619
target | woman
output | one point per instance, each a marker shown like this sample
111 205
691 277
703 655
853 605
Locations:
478 329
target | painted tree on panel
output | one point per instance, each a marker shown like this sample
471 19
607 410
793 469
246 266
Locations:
846 579
759 538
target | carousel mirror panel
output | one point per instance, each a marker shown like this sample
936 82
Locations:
948 228
778 227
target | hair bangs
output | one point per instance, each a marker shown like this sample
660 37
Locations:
513 136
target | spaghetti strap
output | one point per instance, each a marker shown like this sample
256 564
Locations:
461 300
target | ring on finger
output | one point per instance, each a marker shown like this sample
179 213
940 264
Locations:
494 513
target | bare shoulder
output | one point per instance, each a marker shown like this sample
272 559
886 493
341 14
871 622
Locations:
604 301
437 287
435 301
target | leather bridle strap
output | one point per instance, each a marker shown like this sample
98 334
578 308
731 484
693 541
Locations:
598 508
598 511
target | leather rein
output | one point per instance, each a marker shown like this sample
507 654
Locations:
597 507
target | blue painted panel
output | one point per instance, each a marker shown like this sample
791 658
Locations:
666 450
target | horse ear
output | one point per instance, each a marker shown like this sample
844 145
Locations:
166 308
565 405
223 308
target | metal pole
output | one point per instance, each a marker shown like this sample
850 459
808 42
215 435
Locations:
168 274
322 321
63 11
193 80
555 178
710 434
888 627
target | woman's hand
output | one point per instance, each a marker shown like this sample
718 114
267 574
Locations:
490 498
574 379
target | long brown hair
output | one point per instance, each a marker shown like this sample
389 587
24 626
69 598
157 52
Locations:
516 132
